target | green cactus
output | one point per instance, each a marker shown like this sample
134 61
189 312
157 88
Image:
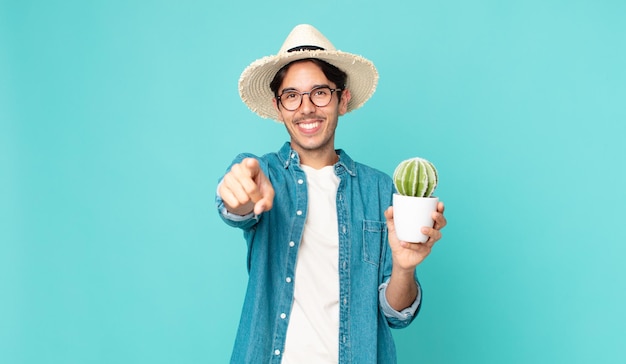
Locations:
415 177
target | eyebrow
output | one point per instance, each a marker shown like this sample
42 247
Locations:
288 89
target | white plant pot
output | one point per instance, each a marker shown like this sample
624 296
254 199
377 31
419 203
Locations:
410 214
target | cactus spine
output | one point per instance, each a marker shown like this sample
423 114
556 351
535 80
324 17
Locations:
415 177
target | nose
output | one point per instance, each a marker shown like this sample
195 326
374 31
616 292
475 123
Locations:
307 106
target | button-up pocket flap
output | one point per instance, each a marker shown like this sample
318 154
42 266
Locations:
373 240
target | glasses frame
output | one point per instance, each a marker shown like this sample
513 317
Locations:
332 90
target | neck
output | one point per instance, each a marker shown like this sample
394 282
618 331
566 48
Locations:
318 159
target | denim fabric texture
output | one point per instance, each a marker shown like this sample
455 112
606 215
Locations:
273 238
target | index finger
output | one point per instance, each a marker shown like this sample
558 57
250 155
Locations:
251 165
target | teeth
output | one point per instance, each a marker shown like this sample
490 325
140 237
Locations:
309 125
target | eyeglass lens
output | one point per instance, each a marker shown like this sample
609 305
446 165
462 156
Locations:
320 97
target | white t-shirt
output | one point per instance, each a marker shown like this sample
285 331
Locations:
313 332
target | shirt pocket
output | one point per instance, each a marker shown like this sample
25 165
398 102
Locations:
373 240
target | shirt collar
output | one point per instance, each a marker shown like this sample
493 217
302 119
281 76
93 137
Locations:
289 156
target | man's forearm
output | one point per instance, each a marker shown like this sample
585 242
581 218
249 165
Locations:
402 289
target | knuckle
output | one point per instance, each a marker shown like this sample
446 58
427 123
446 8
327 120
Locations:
228 180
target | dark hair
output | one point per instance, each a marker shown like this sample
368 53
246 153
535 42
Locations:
334 75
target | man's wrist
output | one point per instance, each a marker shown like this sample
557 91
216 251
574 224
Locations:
401 271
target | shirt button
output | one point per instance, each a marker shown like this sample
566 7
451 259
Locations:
288 279
276 352
345 301
283 316
293 155
300 181
292 244
299 212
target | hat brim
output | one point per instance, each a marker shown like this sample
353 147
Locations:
254 82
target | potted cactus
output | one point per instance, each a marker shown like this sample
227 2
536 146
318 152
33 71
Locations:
413 204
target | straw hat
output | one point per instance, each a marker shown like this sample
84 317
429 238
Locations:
305 41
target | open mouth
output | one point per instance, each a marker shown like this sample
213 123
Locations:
309 125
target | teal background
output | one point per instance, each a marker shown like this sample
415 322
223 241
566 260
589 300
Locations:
118 117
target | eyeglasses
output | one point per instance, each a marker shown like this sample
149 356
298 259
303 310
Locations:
319 96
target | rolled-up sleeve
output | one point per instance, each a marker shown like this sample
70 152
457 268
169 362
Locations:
230 218
398 319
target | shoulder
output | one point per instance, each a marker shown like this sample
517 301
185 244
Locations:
368 170
370 175
363 172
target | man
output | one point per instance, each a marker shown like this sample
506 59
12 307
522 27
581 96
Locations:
327 275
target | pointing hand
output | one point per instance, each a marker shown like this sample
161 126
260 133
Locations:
246 189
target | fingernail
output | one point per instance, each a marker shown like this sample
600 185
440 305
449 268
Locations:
425 230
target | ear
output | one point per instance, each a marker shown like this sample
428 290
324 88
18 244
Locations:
280 115
343 103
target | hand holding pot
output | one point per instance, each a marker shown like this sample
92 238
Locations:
407 255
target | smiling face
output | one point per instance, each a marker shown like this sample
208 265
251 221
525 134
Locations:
311 128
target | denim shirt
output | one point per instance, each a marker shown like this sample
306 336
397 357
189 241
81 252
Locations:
273 238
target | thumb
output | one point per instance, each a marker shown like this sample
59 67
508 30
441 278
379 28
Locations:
389 217
389 214
266 201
